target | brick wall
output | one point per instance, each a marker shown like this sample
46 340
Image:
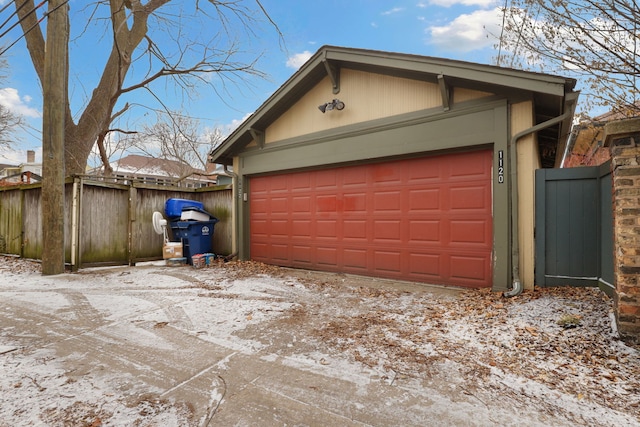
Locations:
623 138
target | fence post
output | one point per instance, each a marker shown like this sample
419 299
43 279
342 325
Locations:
133 200
75 222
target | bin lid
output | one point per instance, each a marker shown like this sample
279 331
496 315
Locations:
191 209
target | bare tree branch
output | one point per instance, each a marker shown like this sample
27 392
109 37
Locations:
594 40
151 33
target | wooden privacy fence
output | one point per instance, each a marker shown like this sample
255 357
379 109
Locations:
106 223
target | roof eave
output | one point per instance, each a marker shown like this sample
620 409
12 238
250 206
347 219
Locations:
393 63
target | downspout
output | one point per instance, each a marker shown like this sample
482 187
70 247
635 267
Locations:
518 287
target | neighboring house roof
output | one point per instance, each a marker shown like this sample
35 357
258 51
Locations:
135 165
26 177
143 165
549 92
3 166
618 114
24 173
586 146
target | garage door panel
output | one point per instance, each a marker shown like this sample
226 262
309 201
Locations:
302 183
279 184
387 262
471 166
424 265
355 230
327 257
427 219
260 205
353 177
301 229
326 203
302 254
427 199
279 205
324 179
260 228
387 201
300 204
355 259
260 251
424 231
327 229
355 203
468 268
279 228
385 174
423 172
387 230
279 251
473 197
469 232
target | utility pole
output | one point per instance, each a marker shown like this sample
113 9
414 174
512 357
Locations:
55 87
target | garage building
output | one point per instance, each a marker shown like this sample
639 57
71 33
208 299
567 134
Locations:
398 166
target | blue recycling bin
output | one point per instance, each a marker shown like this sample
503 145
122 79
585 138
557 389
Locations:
173 207
196 236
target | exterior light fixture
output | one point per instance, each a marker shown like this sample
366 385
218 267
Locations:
336 104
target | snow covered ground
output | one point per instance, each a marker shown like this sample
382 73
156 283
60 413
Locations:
154 345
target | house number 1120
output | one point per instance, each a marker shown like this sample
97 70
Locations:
500 167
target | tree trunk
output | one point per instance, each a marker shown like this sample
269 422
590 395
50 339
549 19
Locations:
54 86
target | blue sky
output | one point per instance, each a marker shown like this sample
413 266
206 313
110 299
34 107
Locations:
457 29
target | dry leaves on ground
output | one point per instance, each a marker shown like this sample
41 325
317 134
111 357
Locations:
526 336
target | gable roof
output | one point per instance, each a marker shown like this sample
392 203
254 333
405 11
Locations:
549 91
137 164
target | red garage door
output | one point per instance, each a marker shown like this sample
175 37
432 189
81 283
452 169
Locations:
426 219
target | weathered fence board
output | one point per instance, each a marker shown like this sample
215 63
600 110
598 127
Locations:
31 227
10 222
105 223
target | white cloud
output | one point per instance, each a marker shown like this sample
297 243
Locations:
449 3
468 32
295 61
392 11
230 127
10 99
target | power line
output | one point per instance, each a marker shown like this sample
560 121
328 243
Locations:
21 19
6 6
24 3
46 14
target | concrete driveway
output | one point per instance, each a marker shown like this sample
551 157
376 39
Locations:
243 344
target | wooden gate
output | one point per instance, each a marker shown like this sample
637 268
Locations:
574 227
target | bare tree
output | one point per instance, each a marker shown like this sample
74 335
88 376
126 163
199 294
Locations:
177 137
9 120
149 43
594 40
